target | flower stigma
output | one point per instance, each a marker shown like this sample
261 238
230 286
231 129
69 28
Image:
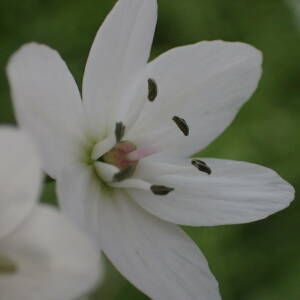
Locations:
117 156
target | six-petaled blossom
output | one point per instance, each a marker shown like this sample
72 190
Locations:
120 153
42 256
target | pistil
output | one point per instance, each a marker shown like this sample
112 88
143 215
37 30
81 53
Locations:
117 156
141 153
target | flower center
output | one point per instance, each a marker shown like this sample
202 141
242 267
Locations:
125 156
7 266
116 159
118 155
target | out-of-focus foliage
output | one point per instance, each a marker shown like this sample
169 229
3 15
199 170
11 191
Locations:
259 261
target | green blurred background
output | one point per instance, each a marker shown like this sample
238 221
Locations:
259 261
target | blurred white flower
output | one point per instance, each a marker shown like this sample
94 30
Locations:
41 255
120 154
295 9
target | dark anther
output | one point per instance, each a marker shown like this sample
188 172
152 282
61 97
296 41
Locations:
161 190
182 125
201 166
152 89
119 131
124 173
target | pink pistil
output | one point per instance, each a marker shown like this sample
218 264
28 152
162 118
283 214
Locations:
141 153
126 154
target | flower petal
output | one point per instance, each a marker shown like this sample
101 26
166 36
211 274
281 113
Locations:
47 103
156 256
235 192
120 51
54 261
20 178
205 85
78 194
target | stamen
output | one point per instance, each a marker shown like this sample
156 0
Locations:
161 190
119 131
141 153
201 166
124 173
182 125
152 90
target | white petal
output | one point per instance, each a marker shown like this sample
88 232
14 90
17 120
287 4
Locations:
54 261
78 189
103 146
235 192
106 171
120 51
156 256
205 84
20 178
47 103
133 183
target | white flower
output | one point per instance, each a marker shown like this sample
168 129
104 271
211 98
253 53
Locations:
119 154
41 255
